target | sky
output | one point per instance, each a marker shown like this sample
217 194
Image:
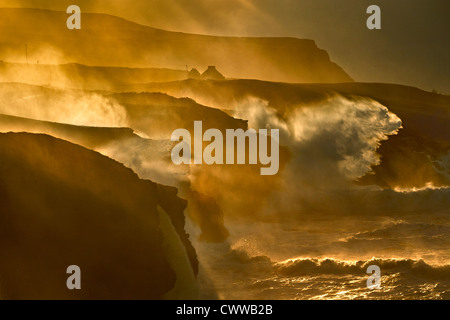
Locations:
412 48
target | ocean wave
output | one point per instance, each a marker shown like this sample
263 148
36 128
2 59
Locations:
259 277
303 267
403 230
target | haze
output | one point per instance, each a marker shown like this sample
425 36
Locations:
410 49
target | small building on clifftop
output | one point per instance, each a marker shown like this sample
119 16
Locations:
212 74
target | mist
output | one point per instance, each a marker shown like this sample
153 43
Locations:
364 168
381 56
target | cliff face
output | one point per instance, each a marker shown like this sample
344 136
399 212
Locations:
64 205
110 41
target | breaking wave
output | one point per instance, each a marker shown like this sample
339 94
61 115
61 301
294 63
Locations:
302 267
307 278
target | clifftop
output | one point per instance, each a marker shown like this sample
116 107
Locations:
106 40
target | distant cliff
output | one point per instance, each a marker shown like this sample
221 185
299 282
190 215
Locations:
105 40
